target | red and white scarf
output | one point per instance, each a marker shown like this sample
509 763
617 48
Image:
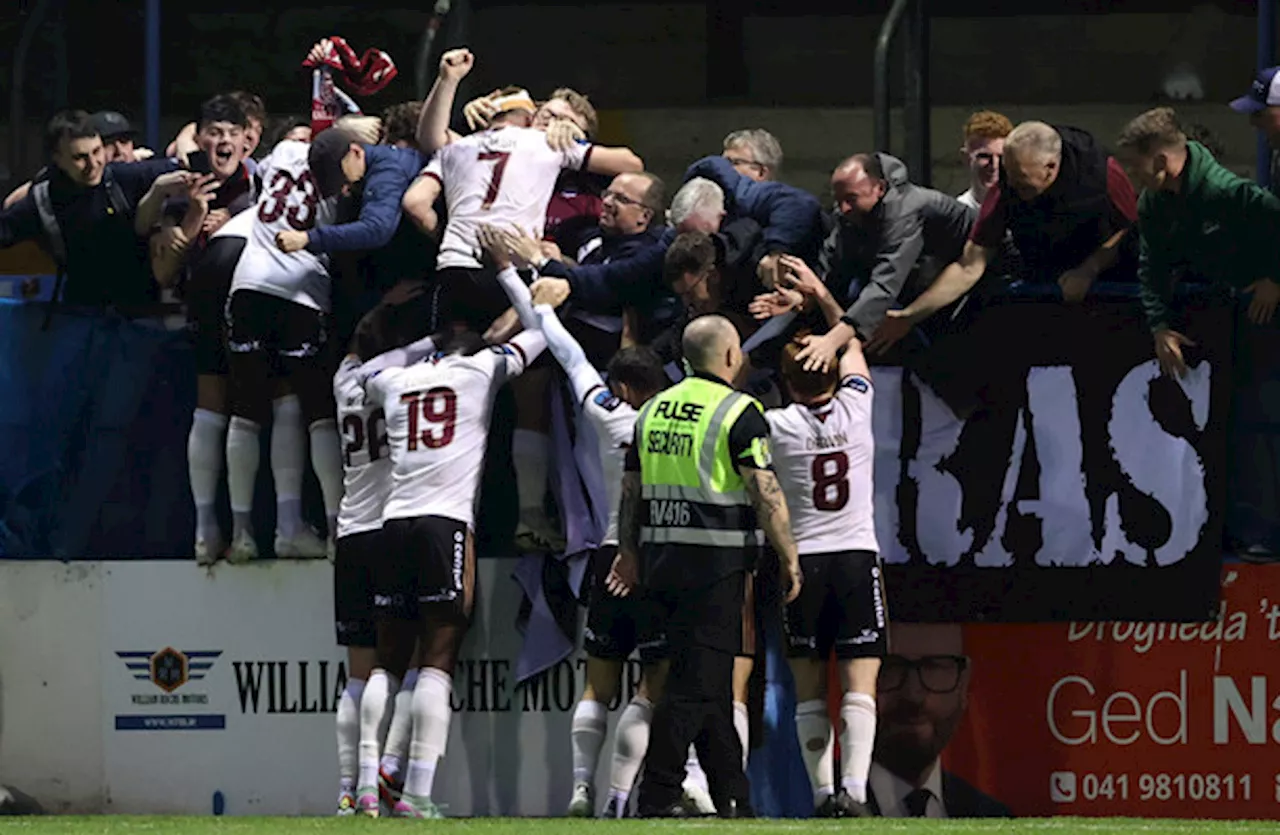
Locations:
364 75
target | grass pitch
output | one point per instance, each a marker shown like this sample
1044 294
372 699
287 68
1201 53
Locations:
137 825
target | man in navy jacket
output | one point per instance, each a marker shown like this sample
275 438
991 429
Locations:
790 219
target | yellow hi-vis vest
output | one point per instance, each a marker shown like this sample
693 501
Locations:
691 493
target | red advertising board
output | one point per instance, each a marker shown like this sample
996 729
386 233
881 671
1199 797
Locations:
1137 719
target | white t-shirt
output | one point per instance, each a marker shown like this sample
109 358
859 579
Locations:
615 423
437 414
290 199
969 200
823 456
366 460
505 177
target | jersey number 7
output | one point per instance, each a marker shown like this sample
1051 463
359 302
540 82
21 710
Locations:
499 158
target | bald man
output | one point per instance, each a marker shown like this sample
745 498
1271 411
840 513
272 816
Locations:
699 481
890 236
1069 207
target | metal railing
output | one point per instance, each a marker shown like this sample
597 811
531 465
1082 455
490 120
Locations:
915 105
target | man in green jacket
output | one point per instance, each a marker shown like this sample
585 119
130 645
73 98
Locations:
1196 218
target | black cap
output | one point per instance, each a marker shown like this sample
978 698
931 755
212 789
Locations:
111 124
325 159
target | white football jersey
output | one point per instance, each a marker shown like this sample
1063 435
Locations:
504 176
615 423
366 460
823 457
290 199
437 414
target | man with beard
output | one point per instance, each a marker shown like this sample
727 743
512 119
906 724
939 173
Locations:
922 694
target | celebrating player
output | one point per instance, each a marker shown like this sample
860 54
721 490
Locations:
366 483
437 417
823 451
616 626
503 176
277 321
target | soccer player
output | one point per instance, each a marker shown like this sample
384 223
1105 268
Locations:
437 413
366 483
616 626
277 325
503 176
823 451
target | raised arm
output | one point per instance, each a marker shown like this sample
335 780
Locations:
399 357
604 160
433 125
582 375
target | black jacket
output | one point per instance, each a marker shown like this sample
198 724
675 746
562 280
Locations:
107 262
867 262
1059 229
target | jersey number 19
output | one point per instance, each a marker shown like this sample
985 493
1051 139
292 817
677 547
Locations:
437 406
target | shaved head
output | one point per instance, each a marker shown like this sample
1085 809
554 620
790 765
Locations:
708 341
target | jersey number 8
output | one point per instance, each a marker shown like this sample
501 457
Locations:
830 473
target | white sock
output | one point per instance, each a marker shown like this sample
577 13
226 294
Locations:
206 450
590 724
742 724
375 715
397 744
694 775
326 460
531 453
817 746
857 738
348 723
242 470
431 713
288 457
630 744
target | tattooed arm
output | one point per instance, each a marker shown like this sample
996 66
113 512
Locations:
775 520
625 574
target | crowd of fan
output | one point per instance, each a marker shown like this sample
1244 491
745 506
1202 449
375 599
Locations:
372 208
1046 205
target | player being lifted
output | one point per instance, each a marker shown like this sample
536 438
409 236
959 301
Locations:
366 483
277 325
437 416
505 176
823 451
616 626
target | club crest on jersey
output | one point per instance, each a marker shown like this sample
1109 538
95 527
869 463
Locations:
606 400
858 384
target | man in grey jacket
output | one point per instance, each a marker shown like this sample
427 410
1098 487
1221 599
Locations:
890 236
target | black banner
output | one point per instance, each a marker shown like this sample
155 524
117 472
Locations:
1086 486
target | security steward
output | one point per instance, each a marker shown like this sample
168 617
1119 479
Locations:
698 488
